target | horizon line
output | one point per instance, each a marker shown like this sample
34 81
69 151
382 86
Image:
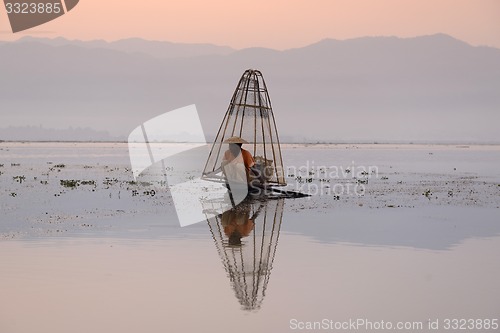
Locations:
312 142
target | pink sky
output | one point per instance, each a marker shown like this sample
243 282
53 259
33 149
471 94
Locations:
278 24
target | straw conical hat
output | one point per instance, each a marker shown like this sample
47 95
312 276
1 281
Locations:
235 139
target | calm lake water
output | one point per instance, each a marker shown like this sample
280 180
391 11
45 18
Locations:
103 260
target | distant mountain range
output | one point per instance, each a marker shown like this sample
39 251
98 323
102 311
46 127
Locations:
424 89
158 49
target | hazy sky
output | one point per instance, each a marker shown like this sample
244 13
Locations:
278 24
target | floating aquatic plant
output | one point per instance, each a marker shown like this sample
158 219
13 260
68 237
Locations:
72 183
69 183
19 179
110 181
427 194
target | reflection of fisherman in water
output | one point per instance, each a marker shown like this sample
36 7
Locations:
237 223
248 265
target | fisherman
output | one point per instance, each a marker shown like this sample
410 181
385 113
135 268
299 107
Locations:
235 158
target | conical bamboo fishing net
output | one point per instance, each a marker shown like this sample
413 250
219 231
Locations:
250 116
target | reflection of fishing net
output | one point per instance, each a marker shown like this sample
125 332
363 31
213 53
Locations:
250 116
249 264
